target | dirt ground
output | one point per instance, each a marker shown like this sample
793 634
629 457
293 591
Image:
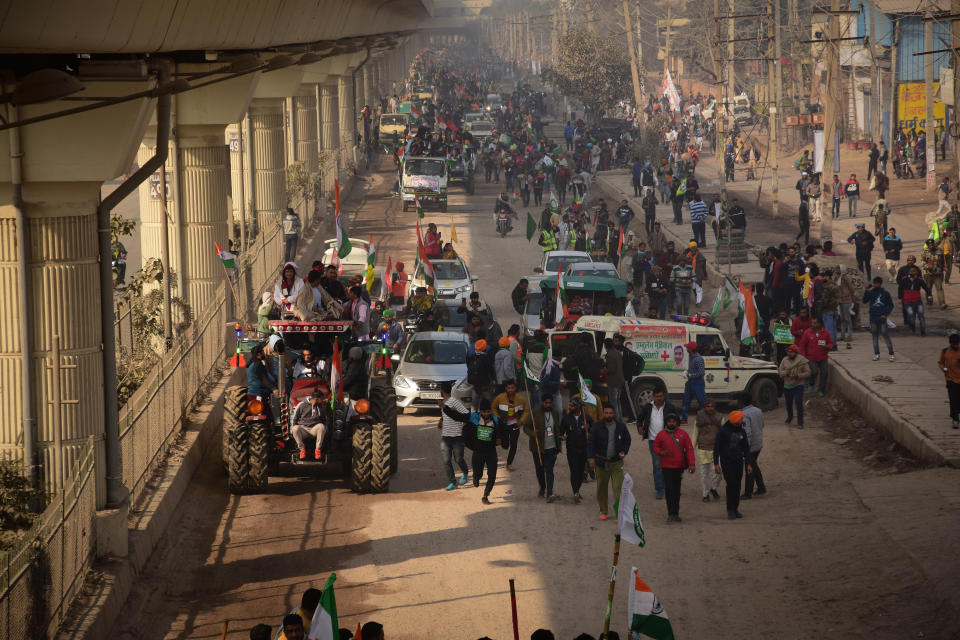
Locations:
839 547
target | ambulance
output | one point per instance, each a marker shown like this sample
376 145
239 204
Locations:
660 343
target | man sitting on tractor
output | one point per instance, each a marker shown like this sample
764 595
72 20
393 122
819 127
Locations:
311 418
307 364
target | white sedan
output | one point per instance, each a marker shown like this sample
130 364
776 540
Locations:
356 261
432 357
451 278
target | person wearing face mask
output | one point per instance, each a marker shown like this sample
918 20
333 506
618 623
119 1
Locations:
486 433
675 450
731 450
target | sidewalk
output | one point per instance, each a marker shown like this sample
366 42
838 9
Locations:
906 398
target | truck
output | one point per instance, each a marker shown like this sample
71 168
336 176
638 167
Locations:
362 438
425 179
661 344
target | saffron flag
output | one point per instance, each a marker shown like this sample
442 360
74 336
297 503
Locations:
620 244
531 227
325 625
645 614
423 259
560 310
335 376
343 242
453 232
585 394
748 314
227 258
628 515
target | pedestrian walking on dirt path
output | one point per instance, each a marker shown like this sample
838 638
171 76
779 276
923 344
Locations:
675 449
573 432
794 369
815 344
753 427
452 417
705 432
730 451
880 304
541 426
485 434
694 386
607 446
950 365
510 407
651 421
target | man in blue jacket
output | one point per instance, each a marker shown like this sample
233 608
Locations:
607 446
880 304
568 135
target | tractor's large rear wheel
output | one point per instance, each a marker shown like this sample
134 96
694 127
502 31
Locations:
383 408
234 411
238 457
362 457
381 448
259 456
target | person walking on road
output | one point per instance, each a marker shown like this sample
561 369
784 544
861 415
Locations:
794 369
694 386
615 379
892 246
607 445
943 193
836 193
510 407
453 414
541 426
486 434
815 345
730 451
950 365
704 435
698 220
863 242
675 449
291 235
573 432
851 189
753 427
650 422
932 261
880 304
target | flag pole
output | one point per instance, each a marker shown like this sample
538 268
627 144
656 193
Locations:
613 583
513 606
242 312
526 390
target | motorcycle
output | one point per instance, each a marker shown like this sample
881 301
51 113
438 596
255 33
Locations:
503 224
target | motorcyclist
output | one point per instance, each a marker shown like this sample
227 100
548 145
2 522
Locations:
502 207
392 329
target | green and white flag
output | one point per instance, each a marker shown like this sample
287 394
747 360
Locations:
554 203
530 375
588 398
645 613
725 295
628 515
324 625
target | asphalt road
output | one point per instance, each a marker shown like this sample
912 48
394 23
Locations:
812 558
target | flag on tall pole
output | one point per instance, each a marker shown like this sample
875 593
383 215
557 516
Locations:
560 310
531 226
325 625
645 614
343 242
371 252
416 201
585 394
335 377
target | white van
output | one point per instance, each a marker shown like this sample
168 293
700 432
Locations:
660 343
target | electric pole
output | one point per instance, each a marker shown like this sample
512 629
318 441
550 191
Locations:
634 69
955 37
666 46
773 89
719 117
731 67
830 138
929 127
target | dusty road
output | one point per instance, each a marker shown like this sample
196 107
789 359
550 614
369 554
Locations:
834 550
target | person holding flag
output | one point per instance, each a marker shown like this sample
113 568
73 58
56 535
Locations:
542 426
607 445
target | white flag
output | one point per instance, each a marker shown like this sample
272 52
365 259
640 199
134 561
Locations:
628 516
588 398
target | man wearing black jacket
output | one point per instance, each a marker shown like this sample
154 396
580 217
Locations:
607 446
485 433
650 422
573 431
730 450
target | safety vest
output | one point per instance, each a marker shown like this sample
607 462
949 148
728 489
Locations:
549 241
573 237
399 286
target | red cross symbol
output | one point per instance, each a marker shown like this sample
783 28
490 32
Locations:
664 356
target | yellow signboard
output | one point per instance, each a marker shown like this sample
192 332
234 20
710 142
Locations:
912 106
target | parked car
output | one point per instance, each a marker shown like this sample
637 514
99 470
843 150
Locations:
432 357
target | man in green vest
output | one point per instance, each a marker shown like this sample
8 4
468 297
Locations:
548 240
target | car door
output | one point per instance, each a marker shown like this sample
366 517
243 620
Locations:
716 362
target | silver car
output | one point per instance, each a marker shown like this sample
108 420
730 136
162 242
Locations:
432 357
451 279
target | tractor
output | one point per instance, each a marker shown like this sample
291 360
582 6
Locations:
361 439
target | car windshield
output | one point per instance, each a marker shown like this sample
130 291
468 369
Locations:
436 352
387 120
449 271
449 317
561 263
423 167
534 302
604 271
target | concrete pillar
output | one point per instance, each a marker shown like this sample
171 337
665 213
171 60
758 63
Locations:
348 111
239 188
369 93
305 118
269 169
377 71
151 209
330 134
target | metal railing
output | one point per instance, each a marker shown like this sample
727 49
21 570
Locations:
40 576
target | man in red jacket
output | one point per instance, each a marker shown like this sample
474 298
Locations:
815 345
675 449
800 324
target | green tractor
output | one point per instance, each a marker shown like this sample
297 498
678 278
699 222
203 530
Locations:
361 438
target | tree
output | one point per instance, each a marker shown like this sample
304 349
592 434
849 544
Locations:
593 70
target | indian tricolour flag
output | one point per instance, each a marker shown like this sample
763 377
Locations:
325 625
560 307
748 314
585 394
419 206
227 258
343 242
645 614
335 375
414 111
423 259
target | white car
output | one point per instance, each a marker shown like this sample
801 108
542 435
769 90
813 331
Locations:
481 129
451 279
471 116
356 261
558 259
432 357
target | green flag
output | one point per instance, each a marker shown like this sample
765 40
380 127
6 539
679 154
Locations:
531 227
